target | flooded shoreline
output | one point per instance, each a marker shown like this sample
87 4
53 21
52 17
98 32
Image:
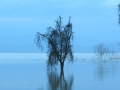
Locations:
83 73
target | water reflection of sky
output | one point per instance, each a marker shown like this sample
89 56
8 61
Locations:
83 74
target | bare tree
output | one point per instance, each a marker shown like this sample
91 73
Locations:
59 43
100 50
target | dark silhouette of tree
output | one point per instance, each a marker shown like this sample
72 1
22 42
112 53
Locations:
59 82
59 43
119 13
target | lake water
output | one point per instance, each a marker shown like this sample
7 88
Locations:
27 71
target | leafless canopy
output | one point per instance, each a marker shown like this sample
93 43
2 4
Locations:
100 50
59 42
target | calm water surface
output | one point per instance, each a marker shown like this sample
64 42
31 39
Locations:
83 74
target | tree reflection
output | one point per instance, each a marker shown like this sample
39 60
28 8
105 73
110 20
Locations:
105 69
59 82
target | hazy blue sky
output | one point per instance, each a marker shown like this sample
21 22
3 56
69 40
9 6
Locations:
94 22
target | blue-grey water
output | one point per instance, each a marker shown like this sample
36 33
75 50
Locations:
84 74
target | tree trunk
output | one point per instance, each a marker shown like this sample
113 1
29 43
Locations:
62 66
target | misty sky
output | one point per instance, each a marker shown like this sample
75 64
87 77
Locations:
94 22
